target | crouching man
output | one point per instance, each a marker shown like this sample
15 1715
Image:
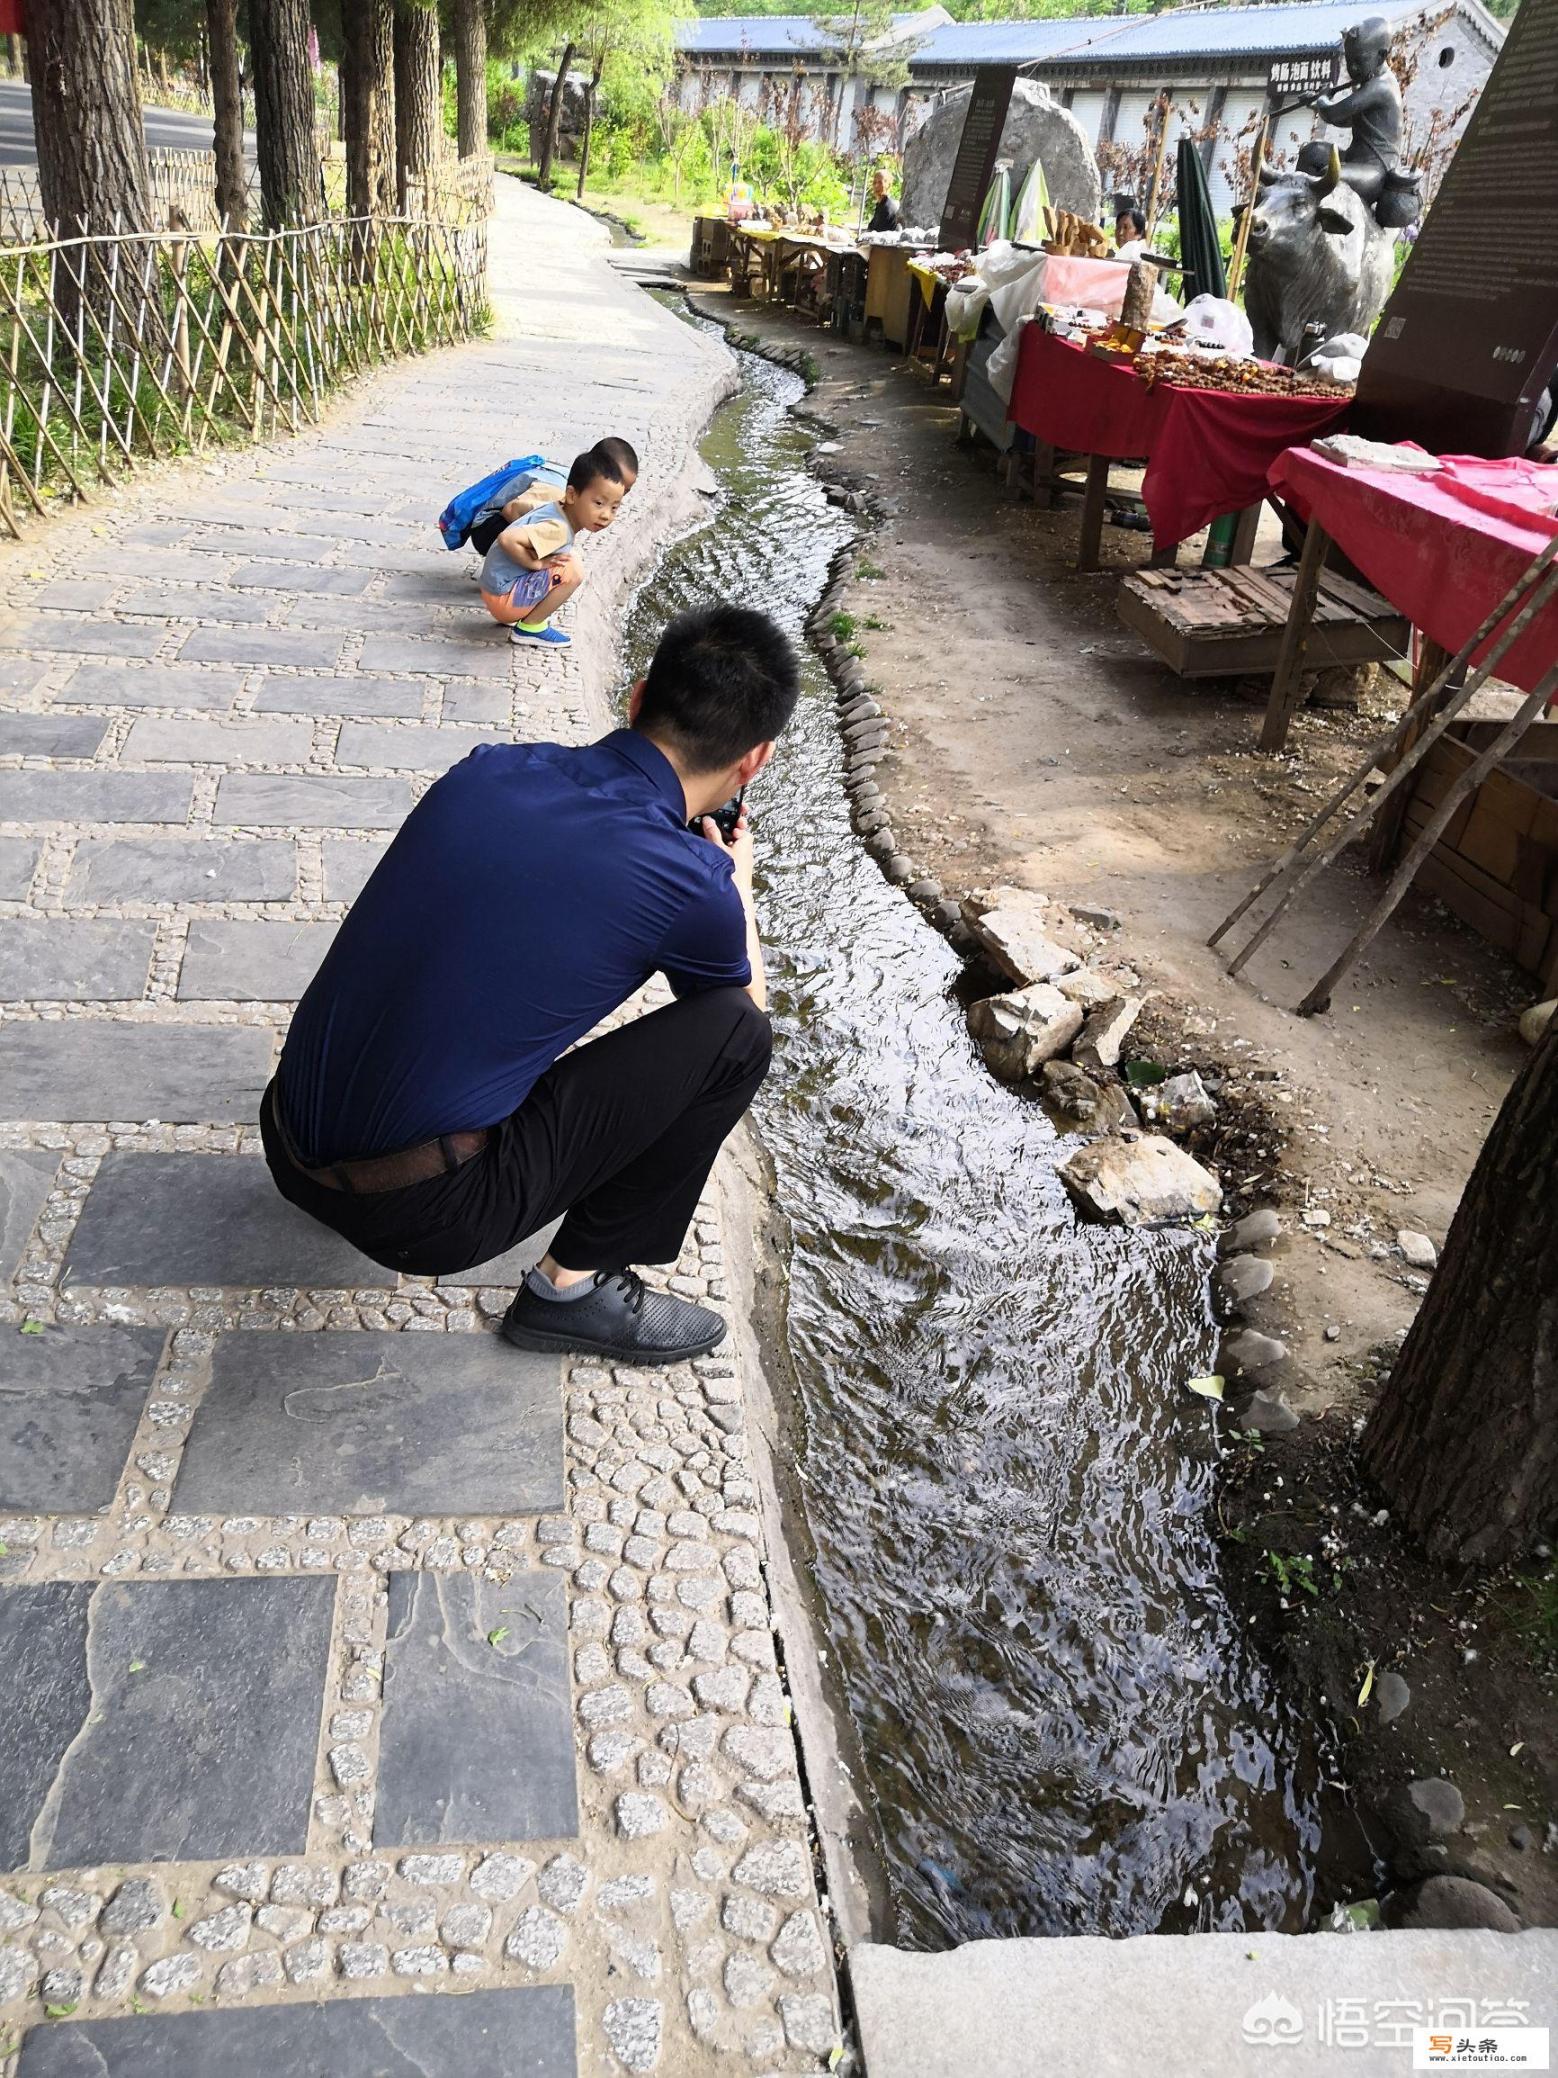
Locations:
426 1105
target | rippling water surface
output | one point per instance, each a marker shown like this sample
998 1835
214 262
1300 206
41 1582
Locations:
1010 1494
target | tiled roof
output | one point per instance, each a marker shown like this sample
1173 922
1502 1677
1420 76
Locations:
997 43
770 34
1275 31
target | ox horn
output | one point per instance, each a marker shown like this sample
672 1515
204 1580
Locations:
1322 183
1267 175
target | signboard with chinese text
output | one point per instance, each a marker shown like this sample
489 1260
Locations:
1293 82
974 168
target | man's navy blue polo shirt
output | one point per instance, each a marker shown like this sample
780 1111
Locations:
529 892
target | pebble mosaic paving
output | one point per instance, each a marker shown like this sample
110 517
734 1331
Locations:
345 1653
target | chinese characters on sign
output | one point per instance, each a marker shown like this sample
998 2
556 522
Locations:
1275 2022
1292 82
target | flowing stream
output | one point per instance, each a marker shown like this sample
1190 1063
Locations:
1064 1729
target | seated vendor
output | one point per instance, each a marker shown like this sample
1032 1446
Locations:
1130 234
885 215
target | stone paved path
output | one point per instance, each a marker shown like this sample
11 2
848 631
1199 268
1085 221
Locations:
345 1654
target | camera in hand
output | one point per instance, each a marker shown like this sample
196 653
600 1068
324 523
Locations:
725 819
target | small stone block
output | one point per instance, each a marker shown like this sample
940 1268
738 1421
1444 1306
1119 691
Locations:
94 1071
242 962
311 800
50 735
68 1413
55 960
182 869
95 797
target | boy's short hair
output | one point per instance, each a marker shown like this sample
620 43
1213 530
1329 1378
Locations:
619 452
723 680
590 465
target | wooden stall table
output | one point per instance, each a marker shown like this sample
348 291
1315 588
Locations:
847 290
930 344
891 292
1208 452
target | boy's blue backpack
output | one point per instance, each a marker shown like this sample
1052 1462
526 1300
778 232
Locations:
459 515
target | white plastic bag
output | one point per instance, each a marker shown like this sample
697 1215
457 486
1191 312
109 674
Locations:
1214 321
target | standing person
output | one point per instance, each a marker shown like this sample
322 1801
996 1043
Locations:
531 571
426 1105
885 215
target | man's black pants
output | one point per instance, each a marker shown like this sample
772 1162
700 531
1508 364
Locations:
620 1135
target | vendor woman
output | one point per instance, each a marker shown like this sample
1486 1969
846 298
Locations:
885 215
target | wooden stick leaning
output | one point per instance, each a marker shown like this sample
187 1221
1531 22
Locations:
1236 265
1537 580
1546 689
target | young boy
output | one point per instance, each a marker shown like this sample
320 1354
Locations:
543 486
530 570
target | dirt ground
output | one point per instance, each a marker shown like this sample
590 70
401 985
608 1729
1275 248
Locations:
1035 741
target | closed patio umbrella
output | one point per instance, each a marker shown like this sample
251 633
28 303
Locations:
1199 250
995 213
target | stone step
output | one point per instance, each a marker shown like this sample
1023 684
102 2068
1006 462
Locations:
92 1071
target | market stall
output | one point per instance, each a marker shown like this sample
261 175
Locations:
891 291
1208 449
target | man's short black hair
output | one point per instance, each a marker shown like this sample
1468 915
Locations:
593 463
619 453
1137 220
723 680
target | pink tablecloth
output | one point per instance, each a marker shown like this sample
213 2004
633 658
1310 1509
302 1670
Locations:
1442 549
1207 451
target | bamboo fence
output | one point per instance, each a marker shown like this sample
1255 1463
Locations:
151 344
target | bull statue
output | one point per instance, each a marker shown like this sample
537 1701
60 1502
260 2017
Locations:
1316 257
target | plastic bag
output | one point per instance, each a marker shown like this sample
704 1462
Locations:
1214 321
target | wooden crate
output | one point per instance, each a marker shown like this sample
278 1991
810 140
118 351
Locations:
1228 623
1496 865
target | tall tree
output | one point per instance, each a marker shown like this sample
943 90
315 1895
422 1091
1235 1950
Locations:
553 117
630 48
232 187
284 112
86 103
469 24
1464 1438
368 105
419 114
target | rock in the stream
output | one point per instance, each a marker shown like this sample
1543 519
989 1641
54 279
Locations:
1455 1901
1419 1251
1014 932
1391 1696
1438 1804
1105 1032
1102 1105
1253 1231
1019 1032
1242 1278
1248 1351
1269 1414
1179 1104
1140 1181
1085 985
1092 913
1536 1020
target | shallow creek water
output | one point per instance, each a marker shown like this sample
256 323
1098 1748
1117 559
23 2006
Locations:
1010 1492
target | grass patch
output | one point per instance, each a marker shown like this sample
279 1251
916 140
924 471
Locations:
842 626
869 571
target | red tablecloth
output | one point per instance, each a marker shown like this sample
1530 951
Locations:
1207 451
1442 549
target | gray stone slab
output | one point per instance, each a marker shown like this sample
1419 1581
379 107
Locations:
82 637
465 701
399 697
172 1720
356 1422
183 869
315 801
50 735
476 1740
347 867
18 862
235 541
26 1178
94 797
424 749
20 674
70 1399
358 614
485 653
1202 2008
304 577
262 646
369 526
49 960
171 602
156 738
183 1219
90 1071
510 1267
78 594
522 2031
228 962
150 685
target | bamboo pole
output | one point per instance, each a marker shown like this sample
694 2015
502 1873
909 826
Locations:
1241 241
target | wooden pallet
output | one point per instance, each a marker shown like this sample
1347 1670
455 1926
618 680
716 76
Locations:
1229 623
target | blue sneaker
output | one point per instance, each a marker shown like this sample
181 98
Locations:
546 634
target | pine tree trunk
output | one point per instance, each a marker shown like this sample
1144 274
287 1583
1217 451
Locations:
553 116
284 112
368 105
87 114
418 103
1464 1438
470 76
589 124
227 105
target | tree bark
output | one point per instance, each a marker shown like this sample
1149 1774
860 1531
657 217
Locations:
368 105
553 117
227 104
470 76
1464 1438
418 103
87 114
591 90
284 112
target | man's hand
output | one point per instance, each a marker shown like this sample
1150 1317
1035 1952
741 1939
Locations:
740 851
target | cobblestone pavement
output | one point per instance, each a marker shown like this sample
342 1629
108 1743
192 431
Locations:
345 1653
